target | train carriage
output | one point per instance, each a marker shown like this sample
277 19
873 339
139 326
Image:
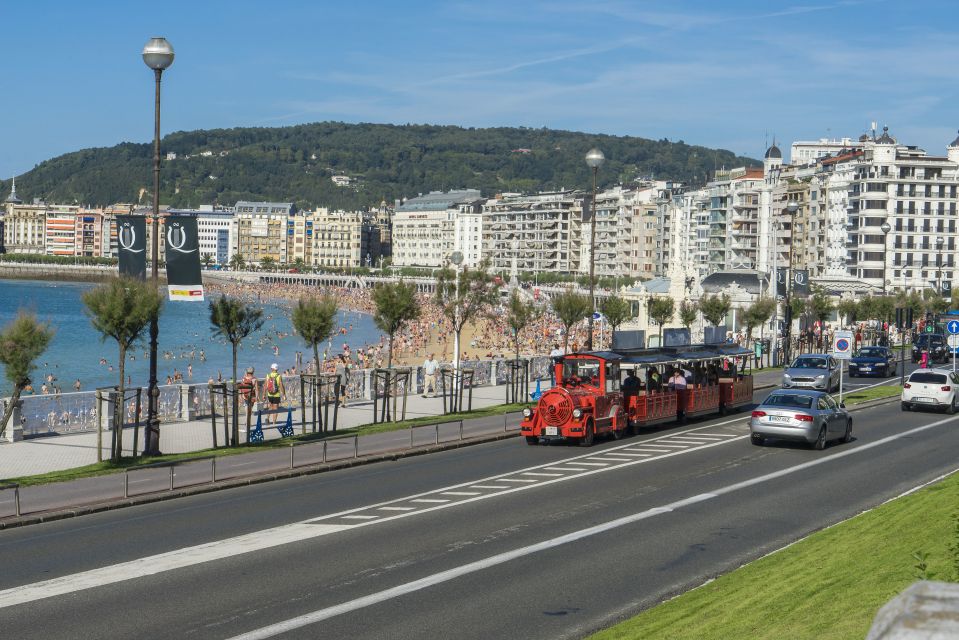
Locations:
591 397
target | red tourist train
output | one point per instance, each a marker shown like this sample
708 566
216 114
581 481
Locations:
610 393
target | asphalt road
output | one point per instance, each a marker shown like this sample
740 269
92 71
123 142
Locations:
497 540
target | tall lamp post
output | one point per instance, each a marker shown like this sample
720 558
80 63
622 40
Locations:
158 55
885 227
595 159
791 209
940 241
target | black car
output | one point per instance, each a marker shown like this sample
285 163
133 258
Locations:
935 343
873 361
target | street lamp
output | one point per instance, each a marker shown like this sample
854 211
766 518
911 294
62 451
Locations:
940 241
595 159
158 55
791 210
885 227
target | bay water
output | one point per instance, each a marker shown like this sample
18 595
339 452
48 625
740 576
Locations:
186 339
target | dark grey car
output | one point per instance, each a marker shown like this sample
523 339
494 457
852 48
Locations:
800 415
812 371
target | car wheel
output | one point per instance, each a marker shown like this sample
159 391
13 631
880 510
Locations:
847 436
951 409
532 440
758 440
820 443
906 407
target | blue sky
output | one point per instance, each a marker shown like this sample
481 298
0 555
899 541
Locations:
725 74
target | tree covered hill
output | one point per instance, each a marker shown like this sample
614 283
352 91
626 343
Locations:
384 162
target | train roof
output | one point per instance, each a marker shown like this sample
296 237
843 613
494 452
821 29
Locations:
664 355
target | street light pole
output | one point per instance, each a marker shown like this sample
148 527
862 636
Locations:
158 55
885 227
595 159
791 209
940 241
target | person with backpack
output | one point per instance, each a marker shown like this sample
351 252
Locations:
274 391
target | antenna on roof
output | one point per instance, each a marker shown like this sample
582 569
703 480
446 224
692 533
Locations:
874 130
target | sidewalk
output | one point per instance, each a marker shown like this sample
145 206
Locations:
43 455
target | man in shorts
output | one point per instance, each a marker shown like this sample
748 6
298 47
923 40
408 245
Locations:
430 367
273 391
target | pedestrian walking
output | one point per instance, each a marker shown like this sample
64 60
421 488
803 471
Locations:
555 353
430 367
274 391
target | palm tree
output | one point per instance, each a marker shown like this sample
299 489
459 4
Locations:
21 343
395 306
570 307
234 320
267 263
122 309
315 320
237 263
206 259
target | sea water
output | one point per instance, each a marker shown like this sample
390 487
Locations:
78 352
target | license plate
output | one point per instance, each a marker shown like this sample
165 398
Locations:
865 368
552 431
924 400
778 418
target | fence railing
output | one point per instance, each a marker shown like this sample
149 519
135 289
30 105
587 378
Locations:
74 412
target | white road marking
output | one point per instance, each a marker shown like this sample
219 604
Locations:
542 475
651 450
398 508
460 493
436 500
612 459
519 480
634 455
565 469
593 464
318 527
358 517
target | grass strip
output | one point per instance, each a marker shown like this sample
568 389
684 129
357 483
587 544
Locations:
829 585
872 393
109 467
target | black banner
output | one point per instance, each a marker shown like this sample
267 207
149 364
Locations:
183 259
801 281
781 279
946 290
132 246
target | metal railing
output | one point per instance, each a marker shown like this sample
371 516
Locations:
172 465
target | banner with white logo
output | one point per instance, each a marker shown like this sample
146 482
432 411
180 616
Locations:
132 246
801 281
183 272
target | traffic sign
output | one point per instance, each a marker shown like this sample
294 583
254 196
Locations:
953 327
842 345
953 341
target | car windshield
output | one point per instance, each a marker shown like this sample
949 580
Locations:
925 376
786 400
871 352
809 363
580 370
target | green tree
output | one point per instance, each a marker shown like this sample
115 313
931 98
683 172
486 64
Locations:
570 307
206 259
688 311
519 314
757 314
661 311
395 306
463 303
237 263
714 308
884 308
21 343
267 263
315 320
122 309
821 307
234 320
849 310
933 302
616 310
299 264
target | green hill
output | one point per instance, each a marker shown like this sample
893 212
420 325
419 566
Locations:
384 161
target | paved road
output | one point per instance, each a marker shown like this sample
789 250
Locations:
497 540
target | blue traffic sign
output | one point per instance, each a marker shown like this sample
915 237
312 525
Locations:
953 327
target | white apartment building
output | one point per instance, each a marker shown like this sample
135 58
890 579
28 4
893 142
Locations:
215 230
425 229
545 225
261 230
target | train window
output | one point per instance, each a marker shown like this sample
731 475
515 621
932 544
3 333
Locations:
581 371
612 377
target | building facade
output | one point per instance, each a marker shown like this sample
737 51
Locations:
424 229
261 230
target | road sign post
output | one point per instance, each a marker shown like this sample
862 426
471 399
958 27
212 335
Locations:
841 350
953 341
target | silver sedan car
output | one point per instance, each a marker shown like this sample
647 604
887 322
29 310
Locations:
802 415
812 371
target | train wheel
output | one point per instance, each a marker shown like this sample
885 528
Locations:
532 440
587 440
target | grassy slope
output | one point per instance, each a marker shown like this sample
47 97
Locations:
829 585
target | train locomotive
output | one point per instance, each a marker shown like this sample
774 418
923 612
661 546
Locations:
595 395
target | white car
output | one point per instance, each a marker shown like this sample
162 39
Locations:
932 389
